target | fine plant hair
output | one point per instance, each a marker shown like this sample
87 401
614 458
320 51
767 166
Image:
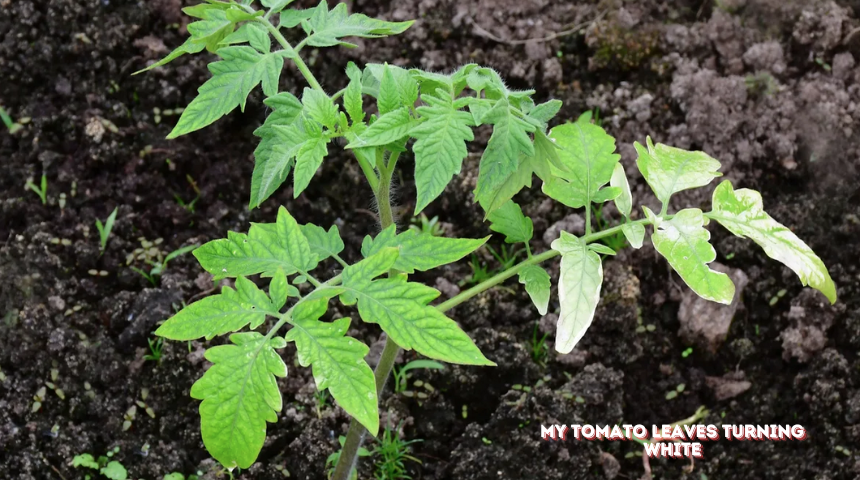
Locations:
384 112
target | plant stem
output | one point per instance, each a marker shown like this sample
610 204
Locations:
356 433
292 54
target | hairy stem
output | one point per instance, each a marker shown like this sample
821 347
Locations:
356 433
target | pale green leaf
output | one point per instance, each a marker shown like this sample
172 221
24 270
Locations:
510 221
501 158
188 47
624 201
323 244
273 157
579 283
669 170
588 155
308 160
329 27
601 249
400 308
634 233
537 284
606 194
241 69
420 251
386 129
742 213
279 290
265 249
389 93
114 471
204 9
240 395
683 240
440 146
337 360
230 311
85 460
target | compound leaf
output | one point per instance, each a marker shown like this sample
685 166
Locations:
742 213
215 315
266 248
588 155
510 221
579 283
323 244
420 251
337 360
669 170
683 240
401 309
440 146
233 78
240 394
537 284
329 27
501 158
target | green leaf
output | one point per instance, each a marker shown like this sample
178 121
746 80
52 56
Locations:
114 471
352 101
634 233
214 26
266 248
329 27
386 129
85 460
202 10
509 140
188 47
545 153
669 170
588 154
230 311
510 221
233 78
308 160
537 284
624 202
420 251
742 213
240 394
440 146
320 107
683 240
606 194
338 362
282 136
580 279
546 111
292 18
323 244
400 308
279 290
389 93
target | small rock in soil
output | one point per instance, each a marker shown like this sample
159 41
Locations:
573 223
811 318
446 287
728 386
707 323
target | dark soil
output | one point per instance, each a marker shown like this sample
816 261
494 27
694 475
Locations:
770 87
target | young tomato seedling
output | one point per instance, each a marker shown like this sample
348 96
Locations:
435 114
